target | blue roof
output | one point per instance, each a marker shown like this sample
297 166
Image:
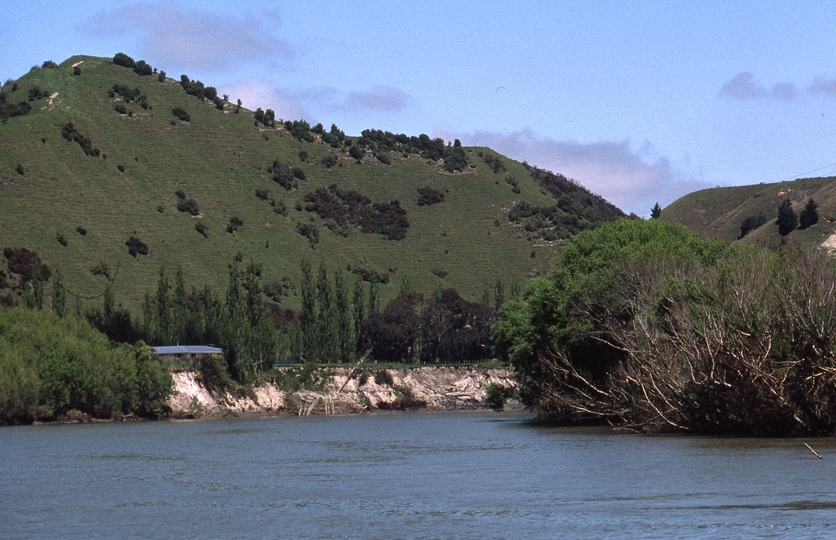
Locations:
187 349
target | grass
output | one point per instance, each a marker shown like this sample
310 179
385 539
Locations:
221 159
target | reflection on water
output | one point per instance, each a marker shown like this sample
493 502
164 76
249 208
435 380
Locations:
453 475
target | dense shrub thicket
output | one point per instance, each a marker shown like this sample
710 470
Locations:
646 325
9 110
340 209
69 132
50 366
428 196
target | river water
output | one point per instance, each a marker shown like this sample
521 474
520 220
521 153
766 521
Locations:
443 475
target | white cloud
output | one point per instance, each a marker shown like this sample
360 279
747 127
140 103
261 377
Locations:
631 179
255 93
743 86
173 35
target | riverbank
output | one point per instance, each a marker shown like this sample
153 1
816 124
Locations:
346 391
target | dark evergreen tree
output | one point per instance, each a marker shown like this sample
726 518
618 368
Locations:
787 218
809 215
656 211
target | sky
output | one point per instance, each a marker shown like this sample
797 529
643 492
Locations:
640 102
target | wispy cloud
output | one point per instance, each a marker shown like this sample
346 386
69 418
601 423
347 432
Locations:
743 86
631 179
378 98
823 86
173 35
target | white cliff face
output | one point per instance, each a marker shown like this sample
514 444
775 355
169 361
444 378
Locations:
427 388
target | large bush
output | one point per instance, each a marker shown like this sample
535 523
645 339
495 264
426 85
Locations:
51 365
645 325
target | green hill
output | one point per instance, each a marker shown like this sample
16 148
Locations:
104 151
720 212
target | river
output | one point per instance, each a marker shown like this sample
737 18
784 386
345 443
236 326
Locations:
415 475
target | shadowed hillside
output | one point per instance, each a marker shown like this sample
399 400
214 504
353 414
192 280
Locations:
721 212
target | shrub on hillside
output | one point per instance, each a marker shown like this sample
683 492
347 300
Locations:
234 224
202 229
750 224
26 264
329 161
35 93
309 231
49 64
181 114
185 204
298 173
136 246
429 196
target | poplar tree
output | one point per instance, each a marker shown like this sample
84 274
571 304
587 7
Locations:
59 295
359 307
345 345
308 313
325 316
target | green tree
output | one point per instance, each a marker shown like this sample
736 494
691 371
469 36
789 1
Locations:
547 317
787 218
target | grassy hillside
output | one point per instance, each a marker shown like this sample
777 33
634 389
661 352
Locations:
78 211
720 212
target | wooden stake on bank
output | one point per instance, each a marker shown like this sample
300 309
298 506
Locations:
810 448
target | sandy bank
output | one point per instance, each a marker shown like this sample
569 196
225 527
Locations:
425 388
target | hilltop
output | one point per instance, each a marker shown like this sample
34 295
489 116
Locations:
720 212
119 171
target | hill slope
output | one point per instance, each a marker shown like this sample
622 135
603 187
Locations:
720 212
77 193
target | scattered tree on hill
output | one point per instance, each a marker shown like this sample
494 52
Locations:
136 246
750 224
283 175
142 69
234 224
185 204
122 59
809 215
787 218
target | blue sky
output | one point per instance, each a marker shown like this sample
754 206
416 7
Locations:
638 101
